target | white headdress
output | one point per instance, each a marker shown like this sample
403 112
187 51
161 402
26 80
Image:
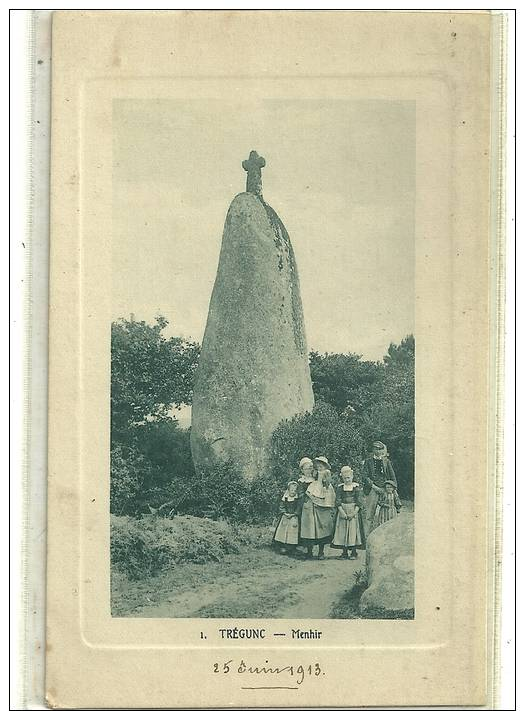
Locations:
287 496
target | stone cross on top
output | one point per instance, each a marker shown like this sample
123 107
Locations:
253 166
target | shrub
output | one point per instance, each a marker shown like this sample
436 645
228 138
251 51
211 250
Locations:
221 492
153 466
322 432
167 447
129 470
217 492
152 544
265 496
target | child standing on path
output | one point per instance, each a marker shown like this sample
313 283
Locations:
349 530
306 477
317 516
287 530
388 502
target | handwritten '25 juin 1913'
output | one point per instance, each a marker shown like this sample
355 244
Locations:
298 673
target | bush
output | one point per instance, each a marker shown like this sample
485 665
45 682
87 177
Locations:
152 544
129 470
153 466
218 492
221 492
357 402
167 447
265 496
323 432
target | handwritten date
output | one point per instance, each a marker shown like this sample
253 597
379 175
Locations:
298 672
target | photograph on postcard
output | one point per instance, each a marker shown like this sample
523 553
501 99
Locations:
262 459
270 340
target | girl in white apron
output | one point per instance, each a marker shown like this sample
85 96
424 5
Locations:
349 531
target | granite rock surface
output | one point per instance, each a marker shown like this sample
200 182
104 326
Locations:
390 570
253 370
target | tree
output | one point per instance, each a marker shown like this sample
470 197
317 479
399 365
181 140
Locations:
389 417
377 398
402 354
344 380
150 375
357 402
391 420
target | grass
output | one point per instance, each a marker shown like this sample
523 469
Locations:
150 545
347 607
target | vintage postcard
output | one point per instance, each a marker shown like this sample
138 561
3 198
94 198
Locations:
272 358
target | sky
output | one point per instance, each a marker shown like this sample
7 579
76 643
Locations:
340 174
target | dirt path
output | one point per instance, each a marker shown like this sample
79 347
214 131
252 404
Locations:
256 584
318 596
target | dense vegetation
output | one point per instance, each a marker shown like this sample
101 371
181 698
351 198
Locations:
153 544
357 401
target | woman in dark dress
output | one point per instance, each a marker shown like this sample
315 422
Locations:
377 469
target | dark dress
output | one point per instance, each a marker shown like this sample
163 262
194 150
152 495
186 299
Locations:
349 533
377 471
302 485
374 473
287 529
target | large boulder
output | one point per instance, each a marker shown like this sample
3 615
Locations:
253 369
390 570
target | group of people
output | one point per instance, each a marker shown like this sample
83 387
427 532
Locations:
317 510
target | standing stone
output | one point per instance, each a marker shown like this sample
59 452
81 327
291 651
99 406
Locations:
253 369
